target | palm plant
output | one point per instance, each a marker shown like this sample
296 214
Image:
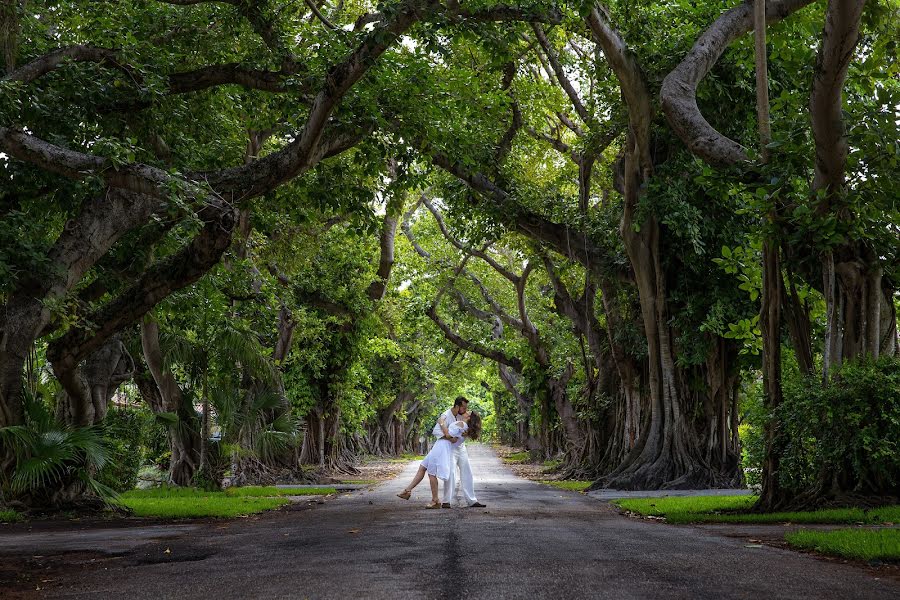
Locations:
54 464
235 376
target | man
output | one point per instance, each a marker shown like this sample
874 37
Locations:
460 458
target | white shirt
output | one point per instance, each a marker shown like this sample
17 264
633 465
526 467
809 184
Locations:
449 419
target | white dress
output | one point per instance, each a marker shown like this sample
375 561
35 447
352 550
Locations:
439 460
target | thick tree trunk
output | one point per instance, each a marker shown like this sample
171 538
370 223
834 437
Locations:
859 306
669 453
324 444
96 380
164 396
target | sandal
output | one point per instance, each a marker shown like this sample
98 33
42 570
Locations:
404 494
434 505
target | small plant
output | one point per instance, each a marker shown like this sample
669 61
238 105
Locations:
10 516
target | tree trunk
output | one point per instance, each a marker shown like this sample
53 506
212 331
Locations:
97 380
164 396
324 444
669 453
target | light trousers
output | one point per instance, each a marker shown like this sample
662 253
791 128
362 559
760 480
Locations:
460 460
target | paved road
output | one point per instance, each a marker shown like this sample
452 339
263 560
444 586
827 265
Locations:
531 542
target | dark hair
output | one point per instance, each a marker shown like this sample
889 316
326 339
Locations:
474 426
459 401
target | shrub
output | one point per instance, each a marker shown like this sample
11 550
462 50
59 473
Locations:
845 434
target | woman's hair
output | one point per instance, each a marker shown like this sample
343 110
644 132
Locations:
474 426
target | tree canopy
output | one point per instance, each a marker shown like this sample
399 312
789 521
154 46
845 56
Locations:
295 231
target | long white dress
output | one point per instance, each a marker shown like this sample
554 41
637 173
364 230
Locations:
439 460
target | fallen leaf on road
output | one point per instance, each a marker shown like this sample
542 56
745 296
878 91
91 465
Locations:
167 551
353 531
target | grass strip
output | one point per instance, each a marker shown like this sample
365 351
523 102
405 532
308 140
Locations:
734 509
859 544
214 505
258 491
517 457
573 485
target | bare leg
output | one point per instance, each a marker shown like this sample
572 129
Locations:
433 482
420 474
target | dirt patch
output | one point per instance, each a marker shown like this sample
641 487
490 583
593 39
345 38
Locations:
371 468
28 576
526 469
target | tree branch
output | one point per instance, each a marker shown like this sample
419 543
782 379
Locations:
472 347
679 89
561 76
631 79
839 39
460 246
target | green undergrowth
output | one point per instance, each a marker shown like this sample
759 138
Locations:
573 485
517 457
859 544
10 516
735 509
406 457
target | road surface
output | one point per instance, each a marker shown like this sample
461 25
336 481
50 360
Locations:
531 542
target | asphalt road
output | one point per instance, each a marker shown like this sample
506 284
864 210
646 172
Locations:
530 542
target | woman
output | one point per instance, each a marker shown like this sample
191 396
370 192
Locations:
439 460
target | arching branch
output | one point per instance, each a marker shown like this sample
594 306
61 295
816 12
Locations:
468 346
460 246
679 88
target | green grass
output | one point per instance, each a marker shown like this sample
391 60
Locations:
406 457
165 491
861 544
10 516
185 507
517 457
167 502
573 485
359 481
733 509
685 509
257 491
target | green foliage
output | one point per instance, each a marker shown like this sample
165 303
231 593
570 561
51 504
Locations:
10 516
849 428
123 432
752 430
859 544
51 459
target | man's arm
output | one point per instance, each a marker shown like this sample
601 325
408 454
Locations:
446 436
